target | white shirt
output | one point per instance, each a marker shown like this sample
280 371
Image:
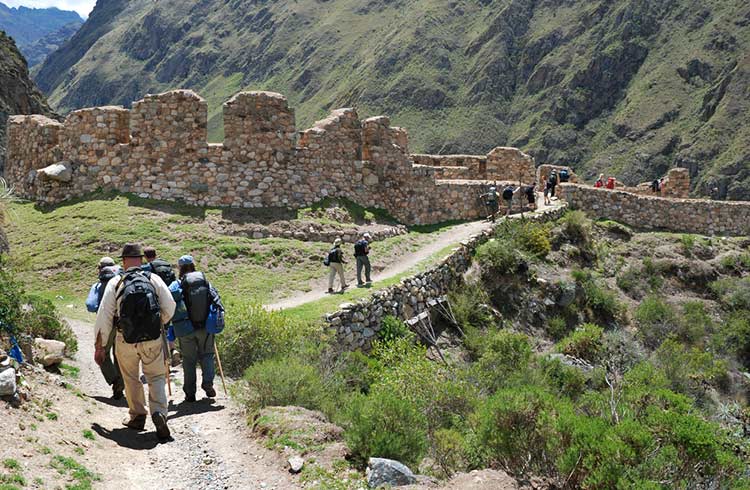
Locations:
110 306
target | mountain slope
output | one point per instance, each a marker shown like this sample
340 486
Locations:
27 26
18 94
627 86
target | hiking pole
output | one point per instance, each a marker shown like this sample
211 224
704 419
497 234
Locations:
167 361
221 370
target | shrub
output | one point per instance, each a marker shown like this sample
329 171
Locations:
734 336
656 320
382 424
688 243
694 323
566 380
533 238
11 298
504 355
732 292
40 319
254 334
577 227
449 448
557 327
516 430
585 343
501 256
621 351
599 302
630 281
470 306
690 370
392 328
283 381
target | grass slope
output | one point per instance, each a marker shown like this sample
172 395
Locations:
627 86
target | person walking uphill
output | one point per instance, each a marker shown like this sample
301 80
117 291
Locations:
361 253
140 304
109 367
335 262
196 342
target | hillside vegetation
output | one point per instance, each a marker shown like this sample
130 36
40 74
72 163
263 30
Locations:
632 87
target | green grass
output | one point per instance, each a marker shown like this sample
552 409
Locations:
82 476
89 434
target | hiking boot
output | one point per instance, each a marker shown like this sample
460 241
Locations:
162 431
190 398
136 423
210 391
330 290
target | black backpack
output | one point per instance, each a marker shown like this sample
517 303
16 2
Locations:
333 256
140 314
105 275
656 185
360 248
552 180
197 295
508 193
163 269
564 175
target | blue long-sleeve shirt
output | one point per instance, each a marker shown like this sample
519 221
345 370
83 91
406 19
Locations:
92 300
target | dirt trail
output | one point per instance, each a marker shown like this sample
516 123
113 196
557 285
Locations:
211 448
451 236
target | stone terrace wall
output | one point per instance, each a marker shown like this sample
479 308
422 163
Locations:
648 212
159 150
357 324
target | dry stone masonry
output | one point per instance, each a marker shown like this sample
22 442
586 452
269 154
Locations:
159 150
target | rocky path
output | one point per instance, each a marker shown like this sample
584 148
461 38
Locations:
211 448
451 236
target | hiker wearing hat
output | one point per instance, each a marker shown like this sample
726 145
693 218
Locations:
361 254
142 304
335 262
110 370
195 340
491 201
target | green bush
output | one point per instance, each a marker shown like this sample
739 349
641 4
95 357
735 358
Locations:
42 320
734 336
516 430
11 298
500 256
382 424
732 292
504 354
690 370
656 320
736 262
566 380
598 302
585 343
688 244
533 237
449 447
253 334
577 227
630 281
392 328
695 323
283 381
557 327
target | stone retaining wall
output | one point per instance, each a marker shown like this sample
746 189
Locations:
357 324
699 216
159 150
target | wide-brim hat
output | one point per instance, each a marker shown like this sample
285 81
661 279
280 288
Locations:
132 250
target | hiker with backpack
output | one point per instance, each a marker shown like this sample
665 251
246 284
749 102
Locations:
163 269
564 175
335 262
491 201
508 192
110 370
599 182
137 304
361 255
611 183
530 192
549 187
197 302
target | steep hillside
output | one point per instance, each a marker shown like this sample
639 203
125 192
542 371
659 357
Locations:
627 86
18 94
28 26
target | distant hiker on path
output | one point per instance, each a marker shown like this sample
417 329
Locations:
508 198
611 183
196 341
361 254
109 367
549 189
599 182
142 305
530 192
335 262
491 200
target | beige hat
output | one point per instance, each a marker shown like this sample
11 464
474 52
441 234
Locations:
106 262
337 242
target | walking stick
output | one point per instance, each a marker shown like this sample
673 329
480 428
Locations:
221 370
167 361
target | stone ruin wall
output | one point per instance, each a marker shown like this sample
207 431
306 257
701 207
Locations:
159 150
649 212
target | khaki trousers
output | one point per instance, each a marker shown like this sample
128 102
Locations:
148 356
336 268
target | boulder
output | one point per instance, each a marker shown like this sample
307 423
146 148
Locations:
8 382
61 172
387 472
48 352
295 464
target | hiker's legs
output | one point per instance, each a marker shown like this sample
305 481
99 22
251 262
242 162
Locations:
206 346
509 204
189 351
360 266
368 269
109 368
340 269
129 362
331 275
155 370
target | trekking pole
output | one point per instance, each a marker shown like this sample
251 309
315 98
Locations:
221 370
167 361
